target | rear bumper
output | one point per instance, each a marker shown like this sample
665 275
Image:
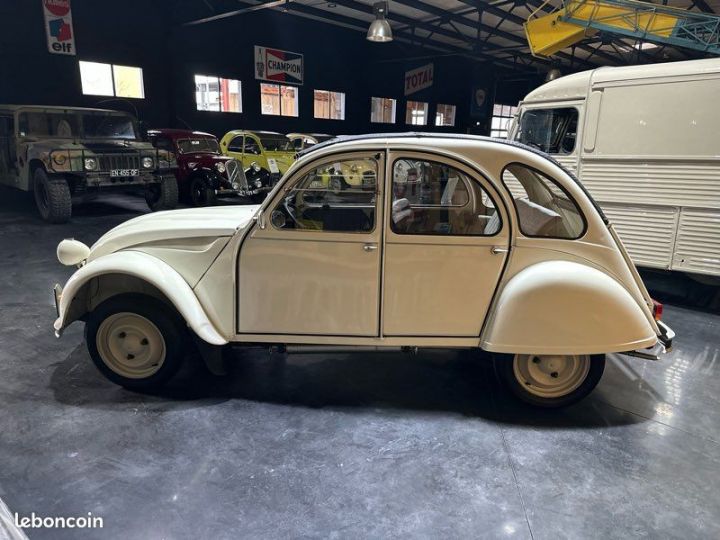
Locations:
663 345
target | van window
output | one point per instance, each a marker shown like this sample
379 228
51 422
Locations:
543 208
551 130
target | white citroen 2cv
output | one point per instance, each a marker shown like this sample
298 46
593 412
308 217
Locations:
457 242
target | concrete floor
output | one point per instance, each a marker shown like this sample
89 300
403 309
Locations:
341 446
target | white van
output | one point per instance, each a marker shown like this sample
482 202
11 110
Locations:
645 141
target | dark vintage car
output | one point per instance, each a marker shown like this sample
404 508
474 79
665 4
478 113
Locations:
203 174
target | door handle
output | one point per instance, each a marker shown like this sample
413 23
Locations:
370 247
496 250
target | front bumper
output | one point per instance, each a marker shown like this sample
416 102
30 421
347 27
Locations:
663 345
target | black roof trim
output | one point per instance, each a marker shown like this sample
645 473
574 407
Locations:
462 136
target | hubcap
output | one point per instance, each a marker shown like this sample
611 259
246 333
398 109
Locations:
131 345
551 376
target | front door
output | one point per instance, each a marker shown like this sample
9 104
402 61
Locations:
313 268
446 242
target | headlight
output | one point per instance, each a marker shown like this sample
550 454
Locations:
90 164
236 186
59 159
354 168
255 166
258 183
220 167
148 162
71 252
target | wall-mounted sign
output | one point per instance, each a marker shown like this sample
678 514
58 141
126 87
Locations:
418 79
59 27
478 103
279 66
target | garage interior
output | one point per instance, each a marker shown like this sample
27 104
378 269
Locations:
409 444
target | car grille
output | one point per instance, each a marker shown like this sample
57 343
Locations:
235 172
108 162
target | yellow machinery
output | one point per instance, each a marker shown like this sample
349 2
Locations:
574 20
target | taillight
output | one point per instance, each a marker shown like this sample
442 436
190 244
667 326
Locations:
657 310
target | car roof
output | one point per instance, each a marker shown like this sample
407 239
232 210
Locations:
179 133
253 132
14 108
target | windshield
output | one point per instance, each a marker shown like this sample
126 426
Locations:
276 143
70 124
551 130
200 144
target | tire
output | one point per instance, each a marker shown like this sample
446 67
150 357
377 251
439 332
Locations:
550 381
136 341
163 195
200 193
52 197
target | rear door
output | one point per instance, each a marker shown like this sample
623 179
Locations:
446 243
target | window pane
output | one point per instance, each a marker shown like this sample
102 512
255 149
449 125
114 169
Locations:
551 130
337 105
382 110
445 115
207 93
322 104
543 208
436 199
416 114
129 82
96 79
337 196
230 95
269 98
289 101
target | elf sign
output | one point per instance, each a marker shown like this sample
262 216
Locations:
59 27
418 79
279 66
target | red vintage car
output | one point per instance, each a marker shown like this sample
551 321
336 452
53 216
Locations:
203 174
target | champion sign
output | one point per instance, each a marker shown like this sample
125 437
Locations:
59 27
279 66
418 79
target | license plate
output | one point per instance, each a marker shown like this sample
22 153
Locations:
124 172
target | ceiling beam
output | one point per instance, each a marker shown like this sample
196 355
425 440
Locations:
235 12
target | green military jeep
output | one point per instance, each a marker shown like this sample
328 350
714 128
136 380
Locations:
61 153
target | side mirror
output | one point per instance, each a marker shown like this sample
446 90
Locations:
260 219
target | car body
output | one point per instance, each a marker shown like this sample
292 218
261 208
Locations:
643 140
63 152
500 250
302 141
203 173
265 155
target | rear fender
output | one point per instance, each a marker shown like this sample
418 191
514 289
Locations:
562 307
148 269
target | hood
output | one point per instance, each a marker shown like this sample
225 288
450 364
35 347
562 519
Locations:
213 222
204 158
283 159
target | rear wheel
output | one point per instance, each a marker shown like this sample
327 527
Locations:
200 193
136 341
550 380
162 195
52 197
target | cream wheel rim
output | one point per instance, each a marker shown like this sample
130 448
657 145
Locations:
551 376
131 345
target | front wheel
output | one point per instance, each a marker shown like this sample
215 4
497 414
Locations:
550 381
136 341
200 193
52 197
163 195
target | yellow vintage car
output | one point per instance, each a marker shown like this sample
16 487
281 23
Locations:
259 150
301 141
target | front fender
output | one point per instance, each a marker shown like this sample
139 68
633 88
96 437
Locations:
153 271
562 307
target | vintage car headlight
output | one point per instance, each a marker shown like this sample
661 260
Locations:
59 159
255 167
148 162
258 183
220 167
90 164
236 186
71 252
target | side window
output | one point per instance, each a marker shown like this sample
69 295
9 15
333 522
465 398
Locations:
434 198
551 130
163 143
335 197
236 145
251 146
544 209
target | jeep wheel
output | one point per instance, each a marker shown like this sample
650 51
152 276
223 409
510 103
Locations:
200 193
52 197
163 195
136 341
550 381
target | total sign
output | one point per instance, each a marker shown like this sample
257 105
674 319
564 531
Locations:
277 65
418 79
59 27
